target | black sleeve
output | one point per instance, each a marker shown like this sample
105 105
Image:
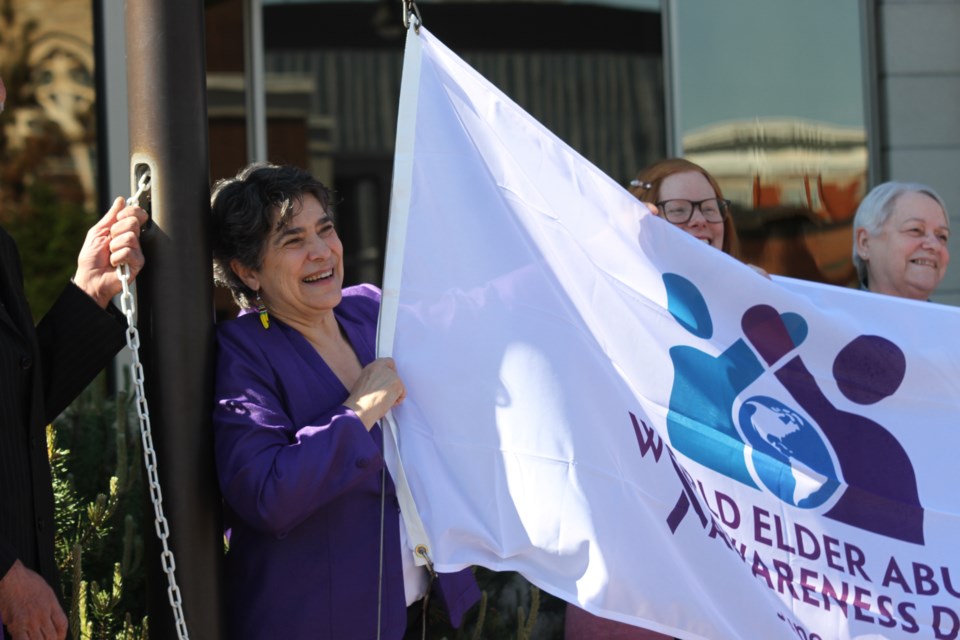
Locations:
77 340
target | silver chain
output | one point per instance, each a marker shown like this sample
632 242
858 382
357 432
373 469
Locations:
128 305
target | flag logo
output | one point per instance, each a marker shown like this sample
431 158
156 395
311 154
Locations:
787 453
771 444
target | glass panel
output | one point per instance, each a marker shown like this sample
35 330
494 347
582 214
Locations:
333 81
768 97
47 139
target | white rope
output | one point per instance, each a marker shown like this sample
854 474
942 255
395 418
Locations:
389 301
128 305
393 263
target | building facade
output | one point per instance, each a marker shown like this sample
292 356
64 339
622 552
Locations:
866 93
621 80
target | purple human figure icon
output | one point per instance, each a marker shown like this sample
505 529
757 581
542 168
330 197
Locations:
881 493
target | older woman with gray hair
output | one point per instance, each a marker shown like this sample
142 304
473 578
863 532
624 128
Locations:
900 236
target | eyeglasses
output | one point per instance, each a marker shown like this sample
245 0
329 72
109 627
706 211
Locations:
680 211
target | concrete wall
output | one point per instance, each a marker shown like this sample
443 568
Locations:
919 89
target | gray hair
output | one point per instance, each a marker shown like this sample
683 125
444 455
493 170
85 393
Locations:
877 207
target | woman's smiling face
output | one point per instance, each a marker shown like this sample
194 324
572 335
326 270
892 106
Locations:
693 186
908 257
301 276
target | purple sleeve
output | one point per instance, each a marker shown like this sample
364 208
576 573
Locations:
273 472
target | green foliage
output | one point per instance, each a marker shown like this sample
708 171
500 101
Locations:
49 233
93 447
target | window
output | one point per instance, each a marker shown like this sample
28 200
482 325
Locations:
767 95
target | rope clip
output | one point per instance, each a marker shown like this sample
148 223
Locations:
410 9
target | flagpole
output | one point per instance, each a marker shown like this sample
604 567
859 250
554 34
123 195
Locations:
168 135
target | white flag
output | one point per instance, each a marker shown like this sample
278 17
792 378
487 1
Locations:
640 424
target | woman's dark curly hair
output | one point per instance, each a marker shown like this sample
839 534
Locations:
261 198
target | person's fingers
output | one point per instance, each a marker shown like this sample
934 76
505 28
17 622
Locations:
110 216
127 224
101 229
39 630
125 247
130 256
126 240
132 216
59 624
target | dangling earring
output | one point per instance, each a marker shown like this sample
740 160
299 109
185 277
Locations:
262 310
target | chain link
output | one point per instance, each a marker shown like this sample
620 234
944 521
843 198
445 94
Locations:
128 305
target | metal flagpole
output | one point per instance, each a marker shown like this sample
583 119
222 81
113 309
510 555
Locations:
166 79
254 85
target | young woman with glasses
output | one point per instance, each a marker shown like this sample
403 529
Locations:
685 194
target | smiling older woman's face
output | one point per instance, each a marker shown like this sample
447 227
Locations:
302 272
909 256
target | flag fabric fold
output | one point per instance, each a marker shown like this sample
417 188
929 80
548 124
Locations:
640 424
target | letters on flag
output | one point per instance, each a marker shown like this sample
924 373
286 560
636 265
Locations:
640 424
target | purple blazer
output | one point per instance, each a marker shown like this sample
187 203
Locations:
301 481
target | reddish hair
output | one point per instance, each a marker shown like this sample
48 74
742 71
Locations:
646 188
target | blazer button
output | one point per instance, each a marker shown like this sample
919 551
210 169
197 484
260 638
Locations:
26 362
40 524
362 463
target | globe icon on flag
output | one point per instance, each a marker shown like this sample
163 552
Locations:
790 457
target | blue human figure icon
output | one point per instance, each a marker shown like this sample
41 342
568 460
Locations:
881 493
700 418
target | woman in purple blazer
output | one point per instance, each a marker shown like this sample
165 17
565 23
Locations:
312 514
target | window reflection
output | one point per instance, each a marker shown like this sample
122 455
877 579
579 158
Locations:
768 97
795 186
48 140
332 93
